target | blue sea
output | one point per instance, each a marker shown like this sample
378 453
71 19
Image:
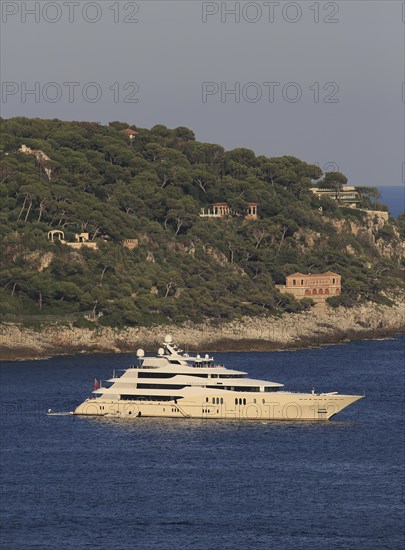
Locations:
115 484
394 198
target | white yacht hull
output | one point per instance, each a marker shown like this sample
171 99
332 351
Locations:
279 406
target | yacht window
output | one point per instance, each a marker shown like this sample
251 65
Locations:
169 374
244 401
222 400
150 397
174 362
238 388
206 399
162 386
240 401
236 401
213 400
156 375
263 401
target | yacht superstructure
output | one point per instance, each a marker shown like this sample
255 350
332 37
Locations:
177 385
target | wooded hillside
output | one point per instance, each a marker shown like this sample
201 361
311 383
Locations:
96 179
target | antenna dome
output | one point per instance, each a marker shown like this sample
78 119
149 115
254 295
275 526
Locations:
140 352
168 339
161 351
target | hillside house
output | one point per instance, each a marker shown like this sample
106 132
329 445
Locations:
317 286
81 239
130 133
223 210
348 196
130 244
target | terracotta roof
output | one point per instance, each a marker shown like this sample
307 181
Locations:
329 273
221 204
312 275
130 132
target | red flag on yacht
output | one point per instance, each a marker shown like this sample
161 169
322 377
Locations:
96 384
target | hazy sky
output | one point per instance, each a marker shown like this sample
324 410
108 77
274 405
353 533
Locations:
318 80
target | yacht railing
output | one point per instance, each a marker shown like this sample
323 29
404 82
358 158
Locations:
195 365
216 366
140 367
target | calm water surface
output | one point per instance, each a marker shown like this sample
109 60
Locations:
394 197
201 484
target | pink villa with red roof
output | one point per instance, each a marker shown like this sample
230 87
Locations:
317 286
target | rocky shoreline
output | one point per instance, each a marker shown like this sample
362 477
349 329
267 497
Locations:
291 331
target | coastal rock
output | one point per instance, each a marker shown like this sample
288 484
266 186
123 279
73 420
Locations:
296 330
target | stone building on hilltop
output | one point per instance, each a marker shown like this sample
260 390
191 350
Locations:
317 286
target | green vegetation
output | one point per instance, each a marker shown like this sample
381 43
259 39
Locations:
151 189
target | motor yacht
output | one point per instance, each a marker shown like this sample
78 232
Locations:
175 384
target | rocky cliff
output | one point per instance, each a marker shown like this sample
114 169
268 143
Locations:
291 331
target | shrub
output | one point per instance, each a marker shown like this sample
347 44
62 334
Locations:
342 300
